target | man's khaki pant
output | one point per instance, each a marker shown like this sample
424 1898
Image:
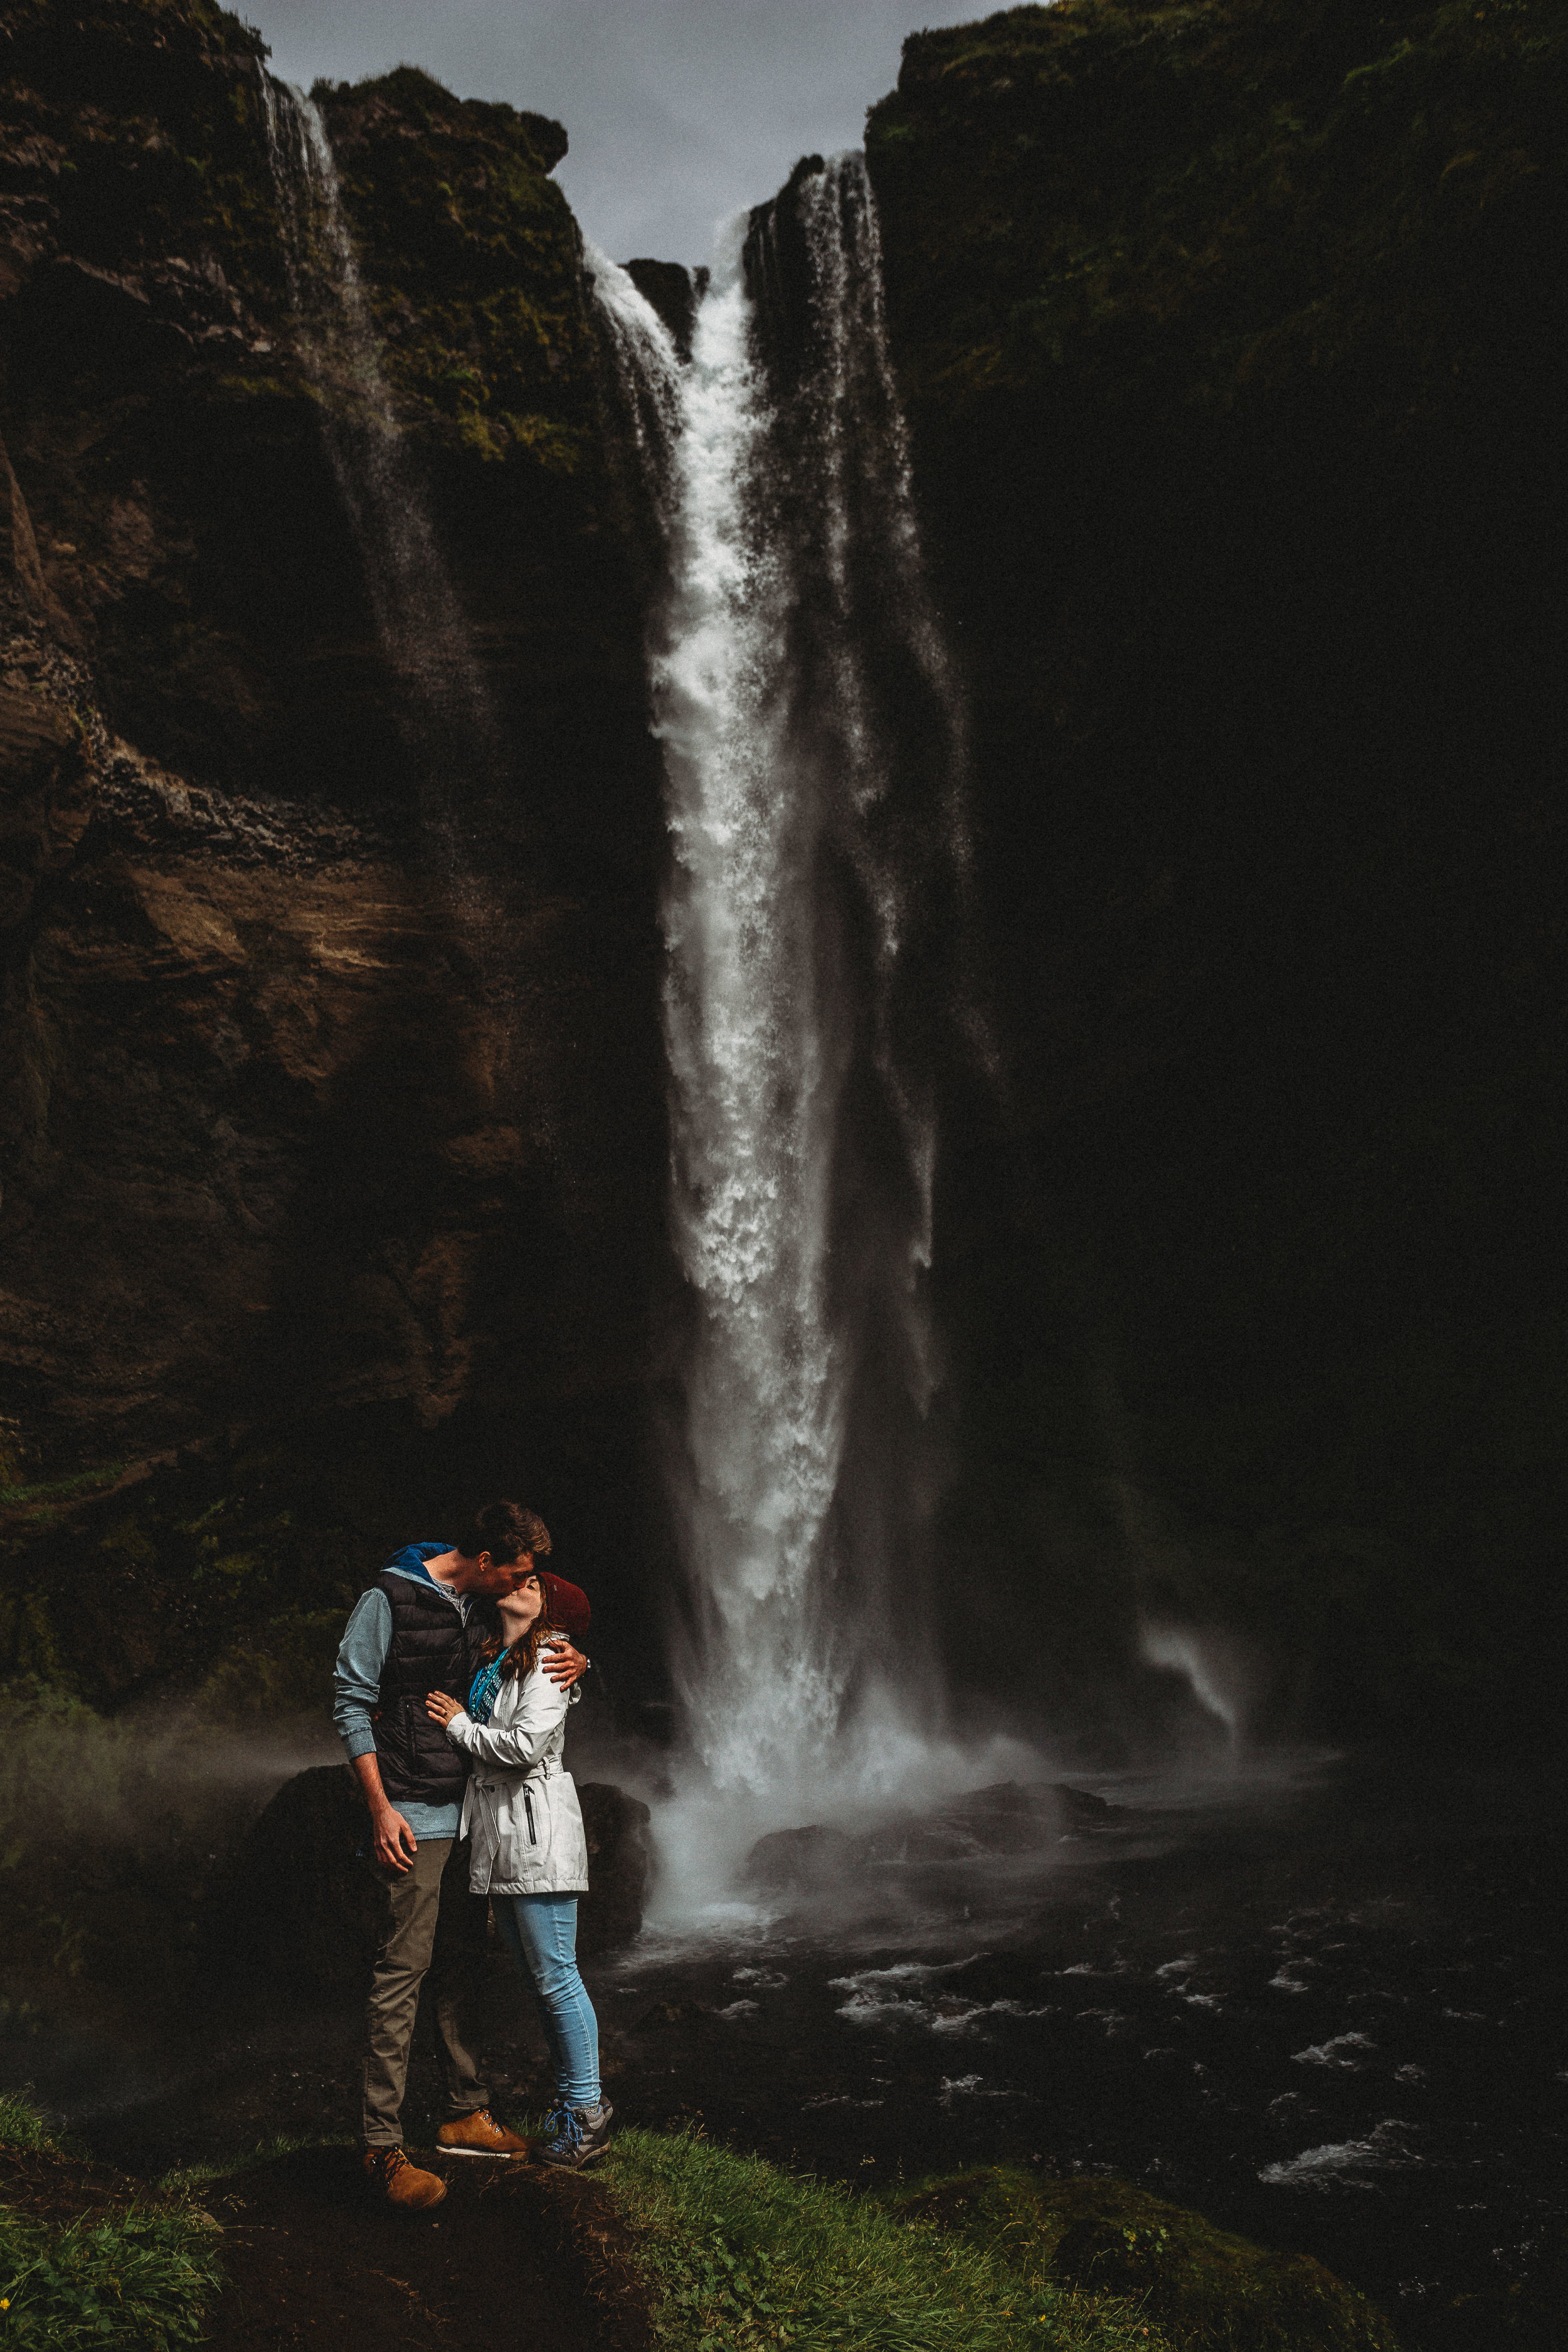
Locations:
415 1942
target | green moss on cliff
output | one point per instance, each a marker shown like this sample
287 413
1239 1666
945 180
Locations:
473 264
136 135
134 131
228 1577
1223 191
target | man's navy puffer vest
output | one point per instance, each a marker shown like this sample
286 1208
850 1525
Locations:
431 1650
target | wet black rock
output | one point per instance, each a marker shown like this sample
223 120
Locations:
1008 1818
1085 1814
610 1913
789 1862
300 1903
673 291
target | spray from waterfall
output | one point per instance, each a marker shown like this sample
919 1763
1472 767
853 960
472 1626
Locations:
445 710
814 757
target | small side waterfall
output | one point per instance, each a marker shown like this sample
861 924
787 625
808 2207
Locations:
813 757
646 373
446 712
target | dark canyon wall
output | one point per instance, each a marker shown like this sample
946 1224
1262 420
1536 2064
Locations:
1234 341
324 1109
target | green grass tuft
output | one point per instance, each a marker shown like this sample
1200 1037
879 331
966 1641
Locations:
21 2124
1212 2291
740 2254
141 2278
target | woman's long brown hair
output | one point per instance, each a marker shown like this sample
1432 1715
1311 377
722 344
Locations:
524 1656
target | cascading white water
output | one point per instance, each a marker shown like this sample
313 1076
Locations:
446 707
646 369
755 1067
813 755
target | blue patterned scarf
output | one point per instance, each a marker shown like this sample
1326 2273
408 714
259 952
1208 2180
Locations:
487 1682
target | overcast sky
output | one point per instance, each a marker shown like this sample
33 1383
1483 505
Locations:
679 111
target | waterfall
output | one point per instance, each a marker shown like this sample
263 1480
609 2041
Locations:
645 375
445 711
814 754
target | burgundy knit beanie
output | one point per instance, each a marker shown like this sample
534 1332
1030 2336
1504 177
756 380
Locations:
567 1606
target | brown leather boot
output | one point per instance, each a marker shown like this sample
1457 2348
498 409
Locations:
400 2182
479 2134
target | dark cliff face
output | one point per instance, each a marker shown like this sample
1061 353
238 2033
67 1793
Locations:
309 1110
1232 344
330 1126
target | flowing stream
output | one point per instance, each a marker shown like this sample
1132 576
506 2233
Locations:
814 760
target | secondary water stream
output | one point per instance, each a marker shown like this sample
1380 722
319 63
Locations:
444 707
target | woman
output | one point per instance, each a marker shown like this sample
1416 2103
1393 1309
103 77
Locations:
527 1852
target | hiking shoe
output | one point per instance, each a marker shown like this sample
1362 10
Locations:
400 2182
576 2136
479 2134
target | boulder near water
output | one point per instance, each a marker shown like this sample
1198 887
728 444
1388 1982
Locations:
1009 1818
300 1901
610 1913
789 1862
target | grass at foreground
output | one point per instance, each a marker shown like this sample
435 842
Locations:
23 2126
739 2254
1209 2291
140 2276
734 2256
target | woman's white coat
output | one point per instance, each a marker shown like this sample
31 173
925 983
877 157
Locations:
520 1813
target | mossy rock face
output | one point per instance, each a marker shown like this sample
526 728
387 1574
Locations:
473 264
134 140
1225 195
1207 2290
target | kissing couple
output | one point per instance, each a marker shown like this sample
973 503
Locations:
454 1676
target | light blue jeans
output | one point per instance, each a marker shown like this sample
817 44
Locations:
540 1931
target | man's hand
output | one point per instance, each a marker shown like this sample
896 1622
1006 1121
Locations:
562 1664
392 1842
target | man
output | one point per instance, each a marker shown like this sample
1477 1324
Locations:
416 1631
